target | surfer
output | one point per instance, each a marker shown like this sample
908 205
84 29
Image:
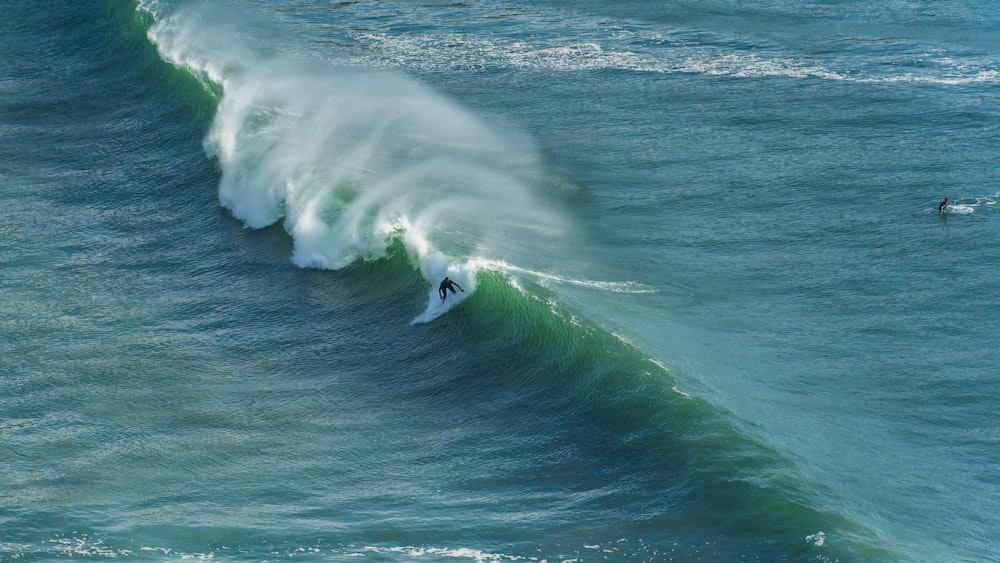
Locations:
447 284
943 206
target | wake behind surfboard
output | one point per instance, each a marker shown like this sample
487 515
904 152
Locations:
465 278
436 307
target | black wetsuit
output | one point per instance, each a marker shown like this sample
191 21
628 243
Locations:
445 286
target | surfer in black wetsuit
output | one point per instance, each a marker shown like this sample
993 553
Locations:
447 284
943 206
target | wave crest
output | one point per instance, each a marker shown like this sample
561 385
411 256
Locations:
351 159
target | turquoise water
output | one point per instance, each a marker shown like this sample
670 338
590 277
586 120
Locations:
711 309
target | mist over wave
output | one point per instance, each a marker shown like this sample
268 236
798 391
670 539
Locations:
351 159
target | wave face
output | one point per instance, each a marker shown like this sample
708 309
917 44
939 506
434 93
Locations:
664 347
365 163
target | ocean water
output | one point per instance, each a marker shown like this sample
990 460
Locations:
710 312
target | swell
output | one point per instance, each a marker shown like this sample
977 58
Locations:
102 40
84 74
375 175
597 419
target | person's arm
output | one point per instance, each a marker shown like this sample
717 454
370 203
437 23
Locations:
459 287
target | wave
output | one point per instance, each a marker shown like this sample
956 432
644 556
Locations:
350 160
371 166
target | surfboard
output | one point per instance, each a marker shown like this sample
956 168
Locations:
436 307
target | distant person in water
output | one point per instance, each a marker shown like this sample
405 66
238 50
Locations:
943 205
447 284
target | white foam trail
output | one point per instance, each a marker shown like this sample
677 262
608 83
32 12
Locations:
967 205
465 275
349 159
436 267
608 286
639 47
959 209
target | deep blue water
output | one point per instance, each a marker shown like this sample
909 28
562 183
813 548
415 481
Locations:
711 312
